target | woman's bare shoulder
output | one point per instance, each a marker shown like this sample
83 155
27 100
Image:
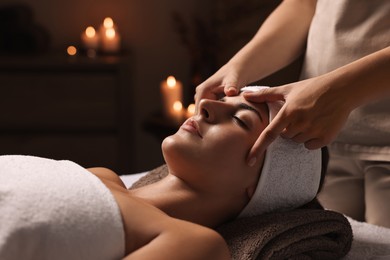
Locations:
144 223
106 174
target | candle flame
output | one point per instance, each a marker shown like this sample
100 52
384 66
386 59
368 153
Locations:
90 32
71 50
191 109
177 106
171 81
108 22
110 33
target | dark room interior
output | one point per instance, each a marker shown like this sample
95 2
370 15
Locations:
103 105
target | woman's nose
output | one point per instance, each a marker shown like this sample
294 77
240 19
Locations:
209 110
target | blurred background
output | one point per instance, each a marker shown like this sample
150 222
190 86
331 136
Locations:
101 102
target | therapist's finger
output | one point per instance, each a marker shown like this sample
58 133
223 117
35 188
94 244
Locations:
231 89
269 134
207 93
315 144
265 95
302 138
202 92
289 131
294 128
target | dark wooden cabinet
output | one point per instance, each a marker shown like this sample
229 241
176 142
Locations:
74 108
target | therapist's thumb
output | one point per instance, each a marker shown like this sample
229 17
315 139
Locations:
231 89
232 84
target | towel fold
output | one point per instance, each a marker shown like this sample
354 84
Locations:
309 233
297 234
56 210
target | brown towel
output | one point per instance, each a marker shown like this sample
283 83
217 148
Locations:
307 233
151 177
297 234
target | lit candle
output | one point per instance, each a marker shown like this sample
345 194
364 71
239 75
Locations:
177 111
108 22
171 91
90 39
111 42
190 110
110 38
71 50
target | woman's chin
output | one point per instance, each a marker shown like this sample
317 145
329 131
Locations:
168 144
178 153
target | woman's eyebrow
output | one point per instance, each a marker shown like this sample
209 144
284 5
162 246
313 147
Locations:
246 107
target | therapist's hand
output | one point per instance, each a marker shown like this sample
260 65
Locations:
313 113
226 81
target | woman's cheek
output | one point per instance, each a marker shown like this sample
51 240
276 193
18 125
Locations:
231 144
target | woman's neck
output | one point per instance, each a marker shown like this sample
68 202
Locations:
177 199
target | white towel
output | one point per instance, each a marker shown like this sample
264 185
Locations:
369 241
56 210
290 176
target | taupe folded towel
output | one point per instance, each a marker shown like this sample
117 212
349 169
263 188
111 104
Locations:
297 234
151 177
309 233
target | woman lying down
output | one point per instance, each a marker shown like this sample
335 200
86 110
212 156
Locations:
59 210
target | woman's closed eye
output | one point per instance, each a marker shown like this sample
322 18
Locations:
240 122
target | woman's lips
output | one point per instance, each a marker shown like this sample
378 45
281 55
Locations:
191 126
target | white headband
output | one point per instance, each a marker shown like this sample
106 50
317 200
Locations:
290 176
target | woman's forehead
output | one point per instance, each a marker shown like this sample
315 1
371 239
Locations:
262 107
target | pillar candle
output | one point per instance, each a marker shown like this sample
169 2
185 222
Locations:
190 111
177 113
110 37
171 91
111 43
90 39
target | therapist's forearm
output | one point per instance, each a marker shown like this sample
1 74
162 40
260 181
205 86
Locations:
278 42
364 80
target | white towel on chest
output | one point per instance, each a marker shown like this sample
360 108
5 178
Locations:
56 210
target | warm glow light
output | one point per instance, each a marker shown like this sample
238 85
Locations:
191 109
90 32
108 22
71 50
171 81
110 33
177 106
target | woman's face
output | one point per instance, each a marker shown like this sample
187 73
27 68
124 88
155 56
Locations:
210 149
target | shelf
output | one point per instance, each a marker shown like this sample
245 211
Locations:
74 108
